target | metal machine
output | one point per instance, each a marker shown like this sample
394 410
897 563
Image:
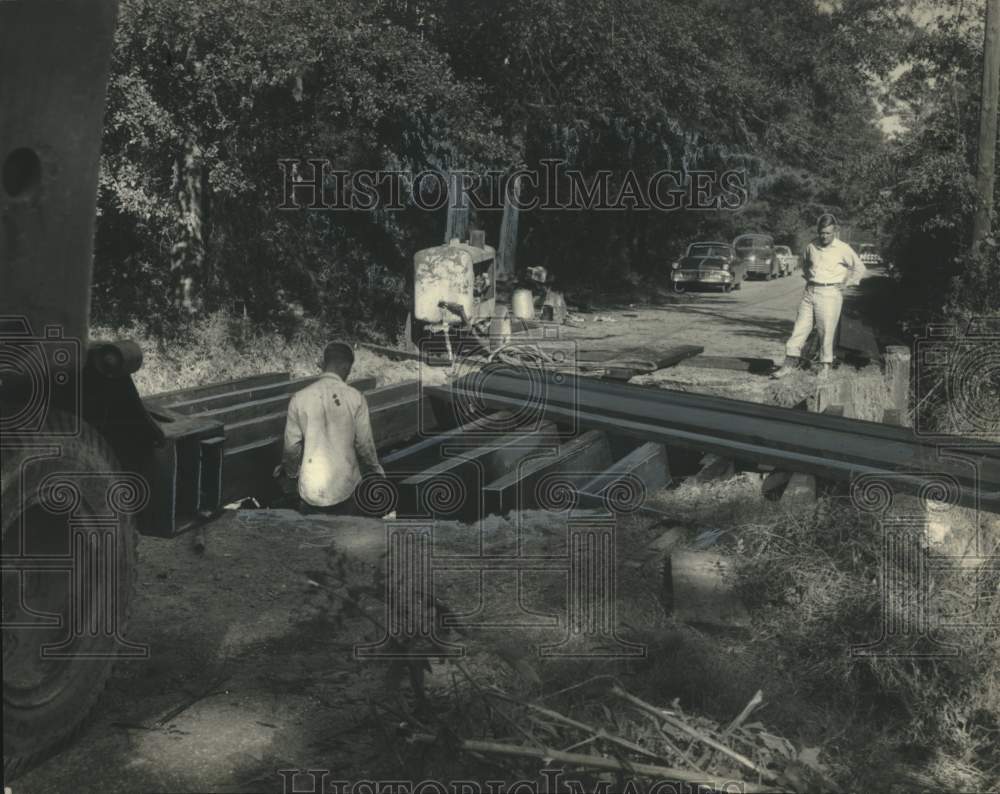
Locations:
76 442
454 286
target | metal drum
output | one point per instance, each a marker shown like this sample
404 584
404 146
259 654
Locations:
523 303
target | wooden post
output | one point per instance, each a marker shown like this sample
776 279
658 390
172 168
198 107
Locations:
713 467
987 125
897 376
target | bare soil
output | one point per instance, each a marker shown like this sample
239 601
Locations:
247 674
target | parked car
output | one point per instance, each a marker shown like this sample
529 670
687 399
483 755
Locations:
870 256
788 262
756 253
708 264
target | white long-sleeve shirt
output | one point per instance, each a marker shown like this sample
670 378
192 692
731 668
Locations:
836 263
328 441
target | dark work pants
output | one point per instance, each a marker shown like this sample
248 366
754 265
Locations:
345 508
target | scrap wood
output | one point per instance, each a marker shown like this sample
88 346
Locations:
668 357
630 743
738 720
597 733
657 358
549 755
673 721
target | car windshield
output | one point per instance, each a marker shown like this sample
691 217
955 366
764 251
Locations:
745 243
784 250
868 249
756 247
708 249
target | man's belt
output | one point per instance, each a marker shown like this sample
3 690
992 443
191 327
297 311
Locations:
826 284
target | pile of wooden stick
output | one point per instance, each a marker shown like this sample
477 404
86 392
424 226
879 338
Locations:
616 736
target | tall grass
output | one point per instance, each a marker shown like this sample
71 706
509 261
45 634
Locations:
221 347
816 585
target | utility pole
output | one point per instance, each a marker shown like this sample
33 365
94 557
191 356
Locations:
987 125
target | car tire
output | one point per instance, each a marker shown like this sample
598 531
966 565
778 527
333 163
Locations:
679 288
47 701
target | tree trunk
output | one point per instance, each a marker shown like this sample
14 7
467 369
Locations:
187 256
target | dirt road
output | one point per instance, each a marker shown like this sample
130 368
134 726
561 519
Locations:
754 321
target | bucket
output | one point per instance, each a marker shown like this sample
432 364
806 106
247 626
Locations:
523 303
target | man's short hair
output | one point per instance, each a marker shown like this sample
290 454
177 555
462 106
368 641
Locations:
338 354
826 219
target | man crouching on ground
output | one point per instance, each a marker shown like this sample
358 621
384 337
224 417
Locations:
829 266
328 438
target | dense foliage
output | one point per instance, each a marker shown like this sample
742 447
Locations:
927 199
207 97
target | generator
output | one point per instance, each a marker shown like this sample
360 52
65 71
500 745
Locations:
454 287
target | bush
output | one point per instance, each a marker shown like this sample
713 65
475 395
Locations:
219 347
815 587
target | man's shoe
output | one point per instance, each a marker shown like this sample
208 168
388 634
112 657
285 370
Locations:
791 364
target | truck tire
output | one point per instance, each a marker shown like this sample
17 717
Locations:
47 699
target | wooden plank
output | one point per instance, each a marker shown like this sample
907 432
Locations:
640 360
780 481
660 357
675 355
468 471
167 398
578 459
700 585
714 467
623 374
645 467
597 356
836 391
755 366
617 363
775 483
897 375
801 490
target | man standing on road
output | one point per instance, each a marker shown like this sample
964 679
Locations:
829 265
328 438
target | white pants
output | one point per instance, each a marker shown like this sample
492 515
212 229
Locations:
820 305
